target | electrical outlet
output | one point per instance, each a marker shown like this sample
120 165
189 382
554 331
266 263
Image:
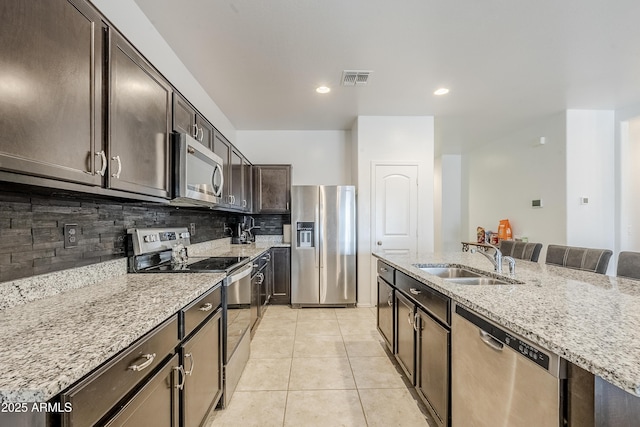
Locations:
71 235
192 228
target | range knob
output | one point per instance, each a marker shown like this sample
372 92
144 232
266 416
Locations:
146 239
184 235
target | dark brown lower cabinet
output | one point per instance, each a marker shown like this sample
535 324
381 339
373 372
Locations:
281 262
405 335
156 403
202 362
385 312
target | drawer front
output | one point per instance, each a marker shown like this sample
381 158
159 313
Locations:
433 301
97 394
196 312
155 404
386 272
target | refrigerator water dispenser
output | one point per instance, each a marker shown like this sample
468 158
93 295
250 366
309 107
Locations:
305 233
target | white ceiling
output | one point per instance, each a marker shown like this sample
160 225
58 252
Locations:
507 62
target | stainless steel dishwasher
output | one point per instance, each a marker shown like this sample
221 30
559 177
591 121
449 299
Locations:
501 379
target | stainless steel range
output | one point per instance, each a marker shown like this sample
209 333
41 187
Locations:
165 250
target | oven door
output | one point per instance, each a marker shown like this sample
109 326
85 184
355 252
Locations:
237 313
197 172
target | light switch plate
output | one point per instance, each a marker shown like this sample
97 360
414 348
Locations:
536 203
192 229
71 235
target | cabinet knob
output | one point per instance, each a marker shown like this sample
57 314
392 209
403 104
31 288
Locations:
379 243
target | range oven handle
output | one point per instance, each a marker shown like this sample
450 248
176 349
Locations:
240 275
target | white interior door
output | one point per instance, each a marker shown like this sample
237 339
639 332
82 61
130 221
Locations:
395 209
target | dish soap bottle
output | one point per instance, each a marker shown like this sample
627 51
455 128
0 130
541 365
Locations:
504 230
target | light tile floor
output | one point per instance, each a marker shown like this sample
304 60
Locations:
320 367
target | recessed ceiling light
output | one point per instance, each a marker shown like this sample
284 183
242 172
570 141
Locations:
323 89
441 91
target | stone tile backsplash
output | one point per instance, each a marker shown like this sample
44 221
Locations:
31 230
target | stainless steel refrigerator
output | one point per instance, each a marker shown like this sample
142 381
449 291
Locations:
323 245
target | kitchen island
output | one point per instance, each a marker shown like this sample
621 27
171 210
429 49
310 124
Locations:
591 320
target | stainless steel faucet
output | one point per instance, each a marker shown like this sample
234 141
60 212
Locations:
496 259
512 264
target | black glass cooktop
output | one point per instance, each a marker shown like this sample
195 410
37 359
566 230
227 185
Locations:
210 265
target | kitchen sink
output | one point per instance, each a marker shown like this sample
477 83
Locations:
449 272
460 275
477 281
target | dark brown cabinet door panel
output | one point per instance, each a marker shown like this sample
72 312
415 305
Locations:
237 179
273 188
203 364
222 148
51 65
205 131
139 123
184 117
281 286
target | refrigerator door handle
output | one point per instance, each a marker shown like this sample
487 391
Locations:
320 221
316 231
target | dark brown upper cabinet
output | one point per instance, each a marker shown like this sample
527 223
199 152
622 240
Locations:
51 116
187 120
139 122
272 189
236 188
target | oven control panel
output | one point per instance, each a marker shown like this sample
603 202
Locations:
147 240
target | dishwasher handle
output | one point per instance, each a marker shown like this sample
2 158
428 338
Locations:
490 341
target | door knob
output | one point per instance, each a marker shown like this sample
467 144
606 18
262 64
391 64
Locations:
379 243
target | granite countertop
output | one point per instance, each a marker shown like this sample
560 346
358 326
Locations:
589 319
59 327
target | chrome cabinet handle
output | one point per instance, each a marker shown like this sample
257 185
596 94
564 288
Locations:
103 158
414 291
415 322
201 132
410 319
389 299
384 269
195 131
244 203
261 277
207 307
490 341
193 363
255 265
180 384
140 367
117 174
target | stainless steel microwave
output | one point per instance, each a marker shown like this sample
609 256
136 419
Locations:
197 173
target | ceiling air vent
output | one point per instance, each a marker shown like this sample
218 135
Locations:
355 78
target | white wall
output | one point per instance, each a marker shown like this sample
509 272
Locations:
391 139
127 17
502 178
590 173
448 203
629 212
318 157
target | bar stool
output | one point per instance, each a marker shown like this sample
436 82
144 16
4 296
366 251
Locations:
586 259
521 250
629 265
